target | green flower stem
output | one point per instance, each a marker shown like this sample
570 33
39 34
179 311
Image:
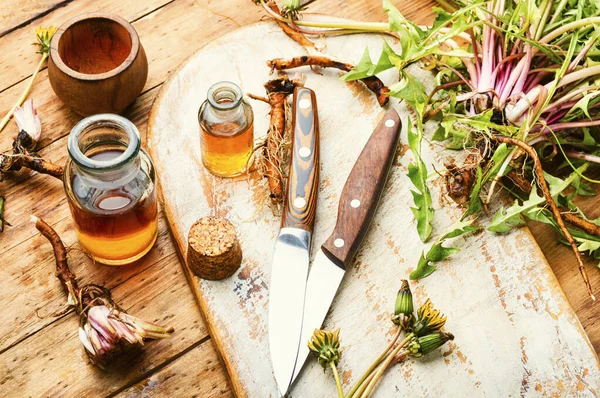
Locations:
361 26
23 97
374 365
385 365
338 383
364 385
570 26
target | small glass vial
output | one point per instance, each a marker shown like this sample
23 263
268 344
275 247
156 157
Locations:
226 130
110 185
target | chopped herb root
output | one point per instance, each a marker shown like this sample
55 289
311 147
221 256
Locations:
553 206
373 83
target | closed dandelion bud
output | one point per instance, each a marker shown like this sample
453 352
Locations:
290 8
429 320
431 342
404 300
325 345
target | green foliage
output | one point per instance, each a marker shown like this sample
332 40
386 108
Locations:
417 173
438 252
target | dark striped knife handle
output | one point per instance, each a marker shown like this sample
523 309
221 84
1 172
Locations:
303 178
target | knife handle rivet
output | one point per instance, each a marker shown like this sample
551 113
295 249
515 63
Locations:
355 203
299 202
390 123
304 103
304 152
339 242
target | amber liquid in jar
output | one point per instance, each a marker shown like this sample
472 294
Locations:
117 226
227 148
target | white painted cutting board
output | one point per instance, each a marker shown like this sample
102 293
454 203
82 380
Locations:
516 334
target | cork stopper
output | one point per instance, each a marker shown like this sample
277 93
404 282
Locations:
213 249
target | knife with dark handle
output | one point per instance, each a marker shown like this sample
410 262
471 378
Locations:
303 177
356 209
292 247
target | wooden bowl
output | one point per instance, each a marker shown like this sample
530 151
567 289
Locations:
97 64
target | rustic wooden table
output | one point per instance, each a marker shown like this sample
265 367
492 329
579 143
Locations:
40 354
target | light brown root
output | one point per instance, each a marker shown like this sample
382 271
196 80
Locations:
553 207
276 147
298 37
373 83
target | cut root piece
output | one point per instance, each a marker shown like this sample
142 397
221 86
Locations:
373 83
276 152
553 206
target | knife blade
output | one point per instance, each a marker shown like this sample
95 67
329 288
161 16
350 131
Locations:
292 247
356 208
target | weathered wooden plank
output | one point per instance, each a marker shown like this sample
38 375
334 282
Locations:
197 373
497 292
23 58
52 361
16 13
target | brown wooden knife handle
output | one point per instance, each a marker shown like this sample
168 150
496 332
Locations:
363 190
303 179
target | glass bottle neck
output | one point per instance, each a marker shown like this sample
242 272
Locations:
105 149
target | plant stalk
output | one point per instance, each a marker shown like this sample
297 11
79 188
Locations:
338 383
374 365
23 96
385 365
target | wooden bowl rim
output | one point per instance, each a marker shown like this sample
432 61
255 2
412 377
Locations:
57 60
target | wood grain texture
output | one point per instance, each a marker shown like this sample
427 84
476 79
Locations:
506 308
171 31
364 187
300 204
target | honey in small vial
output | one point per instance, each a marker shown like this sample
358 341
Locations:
226 130
111 192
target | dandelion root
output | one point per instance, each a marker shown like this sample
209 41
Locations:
553 207
373 83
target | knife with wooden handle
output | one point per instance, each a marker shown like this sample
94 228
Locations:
356 208
292 247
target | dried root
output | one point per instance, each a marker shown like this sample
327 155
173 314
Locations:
558 216
105 329
275 149
373 83
22 156
298 37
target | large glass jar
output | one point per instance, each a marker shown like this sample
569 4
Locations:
227 130
110 185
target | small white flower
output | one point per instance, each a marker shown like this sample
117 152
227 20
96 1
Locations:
28 120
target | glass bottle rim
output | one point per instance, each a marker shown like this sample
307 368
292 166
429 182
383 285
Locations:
104 120
223 88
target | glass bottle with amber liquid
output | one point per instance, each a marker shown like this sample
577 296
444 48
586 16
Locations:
226 130
110 185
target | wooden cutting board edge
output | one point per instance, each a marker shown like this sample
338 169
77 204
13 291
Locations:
193 280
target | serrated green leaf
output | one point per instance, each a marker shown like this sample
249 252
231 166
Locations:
417 173
506 219
438 252
475 204
411 90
